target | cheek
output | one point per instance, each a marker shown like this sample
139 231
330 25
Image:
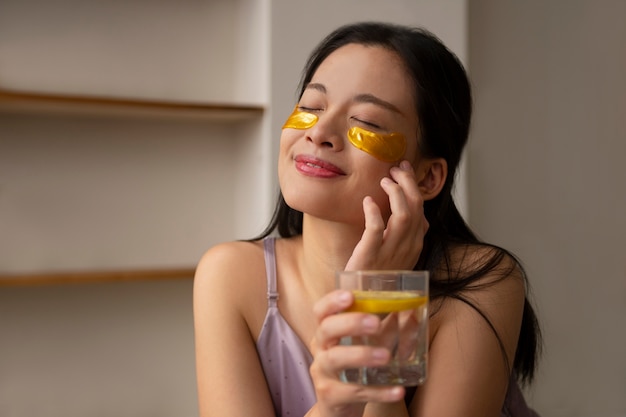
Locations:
284 139
287 177
372 172
287 139
412 152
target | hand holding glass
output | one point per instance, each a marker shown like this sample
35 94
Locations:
400 300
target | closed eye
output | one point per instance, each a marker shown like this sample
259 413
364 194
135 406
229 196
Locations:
308 109
366 123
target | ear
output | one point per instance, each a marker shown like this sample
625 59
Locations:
431 177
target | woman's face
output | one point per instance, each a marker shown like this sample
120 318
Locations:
320 171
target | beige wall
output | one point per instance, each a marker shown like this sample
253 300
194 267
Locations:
98 192
108 349
547 179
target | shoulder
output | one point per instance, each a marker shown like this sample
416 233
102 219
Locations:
225 260
487 283
474 329
471 268
229 304
228 259
484 257
231 274
475 270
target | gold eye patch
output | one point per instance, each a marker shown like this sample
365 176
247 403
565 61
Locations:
387 148
300 120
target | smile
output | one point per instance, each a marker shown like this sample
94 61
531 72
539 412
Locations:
313 167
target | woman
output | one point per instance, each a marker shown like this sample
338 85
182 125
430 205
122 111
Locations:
366 169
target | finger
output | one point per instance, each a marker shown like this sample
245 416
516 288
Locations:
334 393
328 364
332 303
374 222
332 361
406 202
334 327
403 221
377 394
371 239
401 213
404 175
407 225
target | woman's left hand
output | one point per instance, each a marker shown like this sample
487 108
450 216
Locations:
336 398
399 243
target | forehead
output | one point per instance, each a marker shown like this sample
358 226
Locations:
363 69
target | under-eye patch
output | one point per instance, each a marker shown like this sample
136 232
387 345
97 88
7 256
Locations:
387 148
300 120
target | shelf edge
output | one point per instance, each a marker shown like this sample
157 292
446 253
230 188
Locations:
20 101
89 277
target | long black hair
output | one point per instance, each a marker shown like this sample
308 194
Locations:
444 107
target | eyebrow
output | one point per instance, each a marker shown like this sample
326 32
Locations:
316 86
360 98
372 99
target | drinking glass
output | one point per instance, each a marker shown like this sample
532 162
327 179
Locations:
400 300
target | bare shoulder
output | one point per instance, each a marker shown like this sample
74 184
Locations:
487 276
473 333
484 266
229 303
492 296
229 255
231 274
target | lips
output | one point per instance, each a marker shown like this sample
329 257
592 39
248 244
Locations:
315 167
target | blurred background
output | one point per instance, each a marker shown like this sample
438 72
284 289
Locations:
136 134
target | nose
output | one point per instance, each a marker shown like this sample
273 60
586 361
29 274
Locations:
328 132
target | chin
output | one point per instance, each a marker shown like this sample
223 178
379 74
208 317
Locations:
328 207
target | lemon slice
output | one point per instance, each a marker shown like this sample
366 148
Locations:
377 302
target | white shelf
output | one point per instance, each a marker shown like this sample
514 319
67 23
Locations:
77 105
190 51
80 277
98 111
132 136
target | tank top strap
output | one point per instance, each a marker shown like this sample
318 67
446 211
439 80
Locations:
269 245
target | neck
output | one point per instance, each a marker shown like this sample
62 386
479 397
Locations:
326 248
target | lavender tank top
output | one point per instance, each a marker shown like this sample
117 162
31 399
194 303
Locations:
284 357
286 360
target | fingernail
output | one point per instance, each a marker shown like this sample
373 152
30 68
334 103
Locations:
396 392
344 297
405 165
379 354
370 322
